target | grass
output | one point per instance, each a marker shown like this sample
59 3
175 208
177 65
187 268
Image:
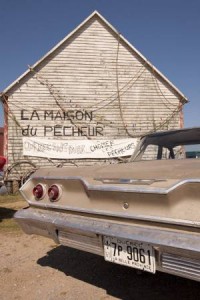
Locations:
10 198
9 204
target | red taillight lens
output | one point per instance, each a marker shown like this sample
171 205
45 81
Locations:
54 193
39 191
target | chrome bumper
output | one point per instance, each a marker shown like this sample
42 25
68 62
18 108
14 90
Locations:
177 251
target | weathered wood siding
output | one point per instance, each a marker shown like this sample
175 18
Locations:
1 141
93 73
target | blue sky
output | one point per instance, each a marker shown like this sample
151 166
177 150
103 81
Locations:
167 33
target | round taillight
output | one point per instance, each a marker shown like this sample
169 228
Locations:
54 193
39 191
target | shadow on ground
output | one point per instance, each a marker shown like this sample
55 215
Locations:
6 213
118 281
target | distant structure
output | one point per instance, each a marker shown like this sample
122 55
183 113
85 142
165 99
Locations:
89 92
193 154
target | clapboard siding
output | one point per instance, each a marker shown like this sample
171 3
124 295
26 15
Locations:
88 72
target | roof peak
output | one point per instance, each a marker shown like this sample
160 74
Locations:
96 13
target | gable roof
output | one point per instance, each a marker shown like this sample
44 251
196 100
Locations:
96 14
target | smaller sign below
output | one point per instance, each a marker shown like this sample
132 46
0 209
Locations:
78 149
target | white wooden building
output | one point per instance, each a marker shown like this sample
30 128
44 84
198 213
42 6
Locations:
92 86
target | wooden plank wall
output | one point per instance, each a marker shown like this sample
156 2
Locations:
103 87
1 141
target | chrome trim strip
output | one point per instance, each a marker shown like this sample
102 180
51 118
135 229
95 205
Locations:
156 219
127 180
92 244
35 218
111 188
182 266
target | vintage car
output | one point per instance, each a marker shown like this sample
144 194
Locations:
143 214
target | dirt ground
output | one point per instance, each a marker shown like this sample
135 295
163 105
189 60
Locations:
33 267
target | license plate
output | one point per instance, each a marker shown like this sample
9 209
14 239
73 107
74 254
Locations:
129 253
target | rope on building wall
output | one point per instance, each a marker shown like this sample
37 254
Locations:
122 91
56 96
118 91
10 113
168 104
115 96
158 89
168 119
